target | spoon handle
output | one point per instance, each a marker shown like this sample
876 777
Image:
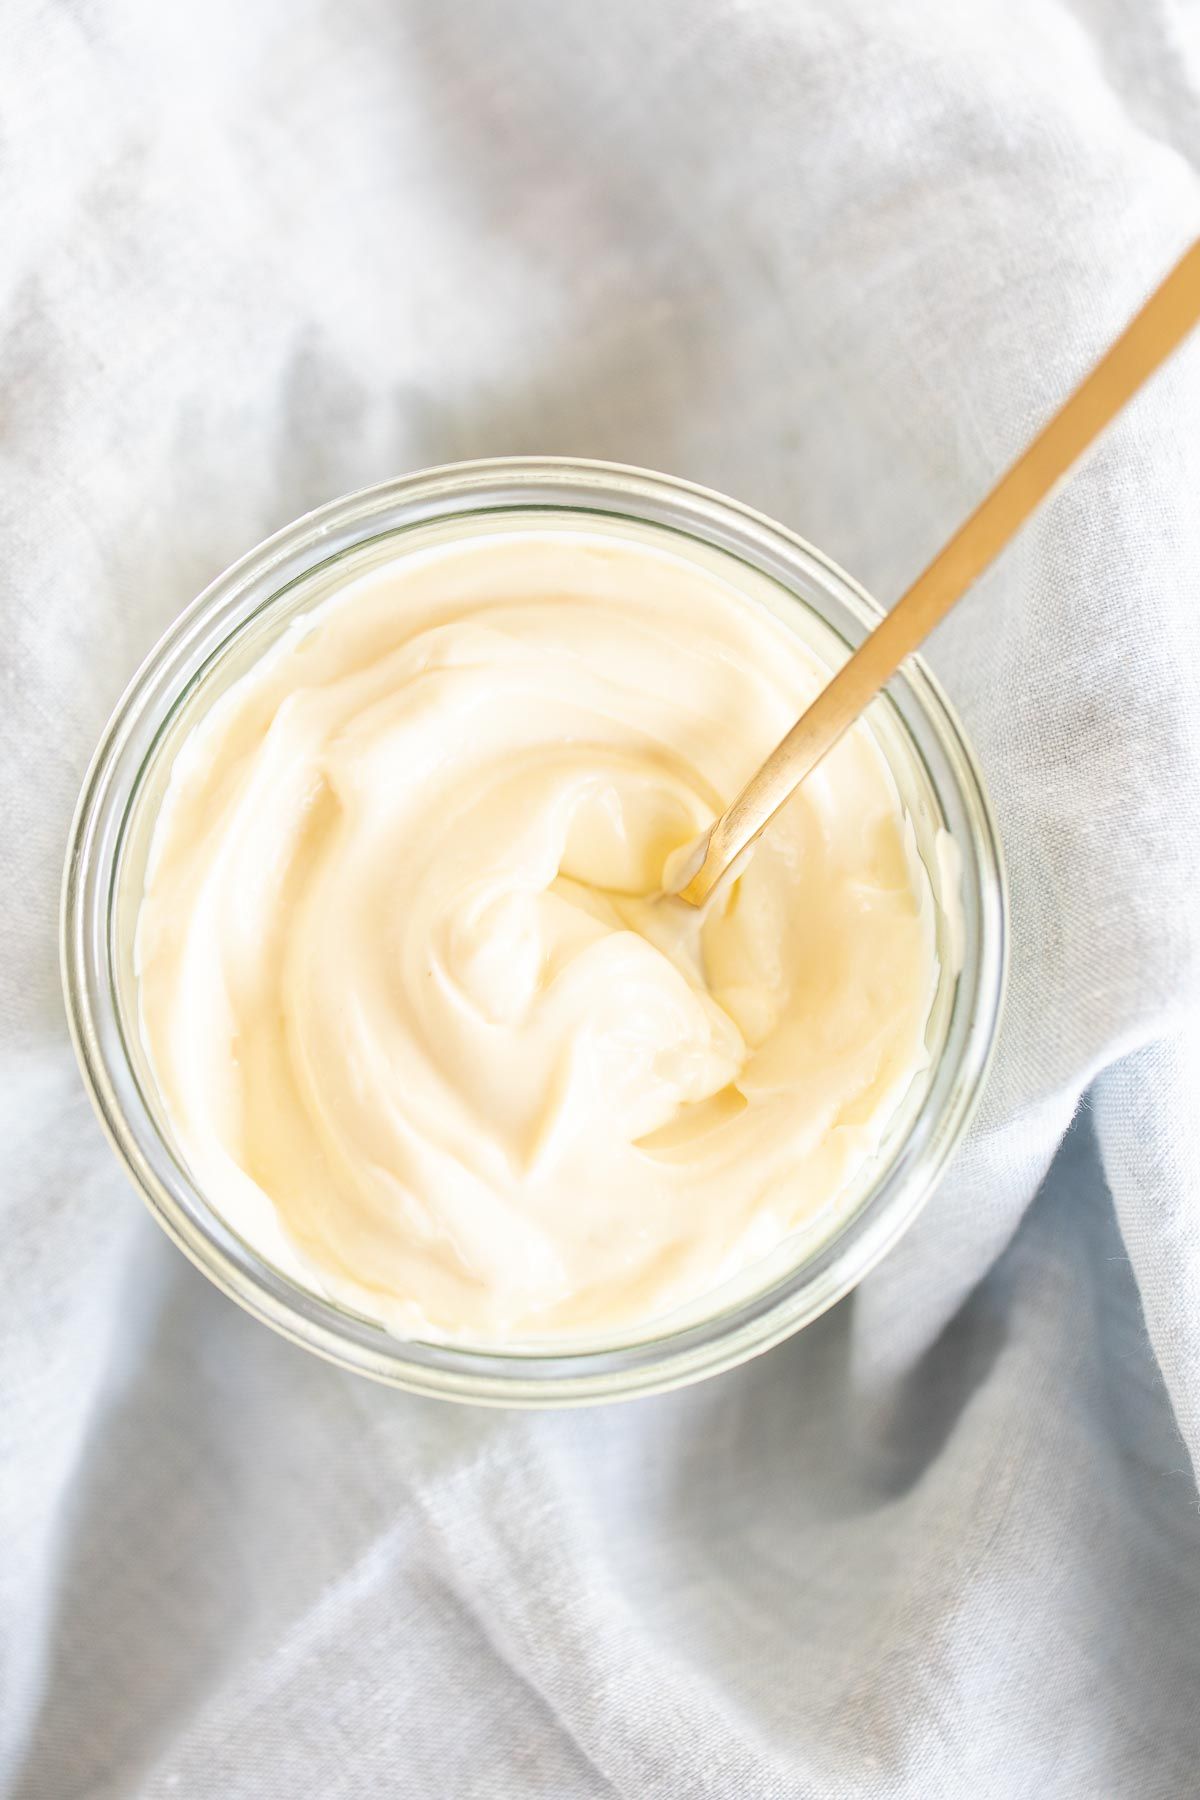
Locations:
1147 341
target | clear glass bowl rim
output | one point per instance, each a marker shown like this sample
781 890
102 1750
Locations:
109 791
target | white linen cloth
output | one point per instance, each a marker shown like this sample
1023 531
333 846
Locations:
839 261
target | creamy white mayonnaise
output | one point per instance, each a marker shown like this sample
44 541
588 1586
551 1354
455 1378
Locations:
417 1022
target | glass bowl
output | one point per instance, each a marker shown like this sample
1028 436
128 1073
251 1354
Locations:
219 637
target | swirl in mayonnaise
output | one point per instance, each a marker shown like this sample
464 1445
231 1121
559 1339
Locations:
405 990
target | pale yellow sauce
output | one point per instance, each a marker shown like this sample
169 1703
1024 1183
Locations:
403 986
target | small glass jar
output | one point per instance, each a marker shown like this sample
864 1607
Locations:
218 638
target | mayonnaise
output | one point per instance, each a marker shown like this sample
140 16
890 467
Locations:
404 985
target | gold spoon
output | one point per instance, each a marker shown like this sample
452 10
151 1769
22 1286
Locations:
1147 341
